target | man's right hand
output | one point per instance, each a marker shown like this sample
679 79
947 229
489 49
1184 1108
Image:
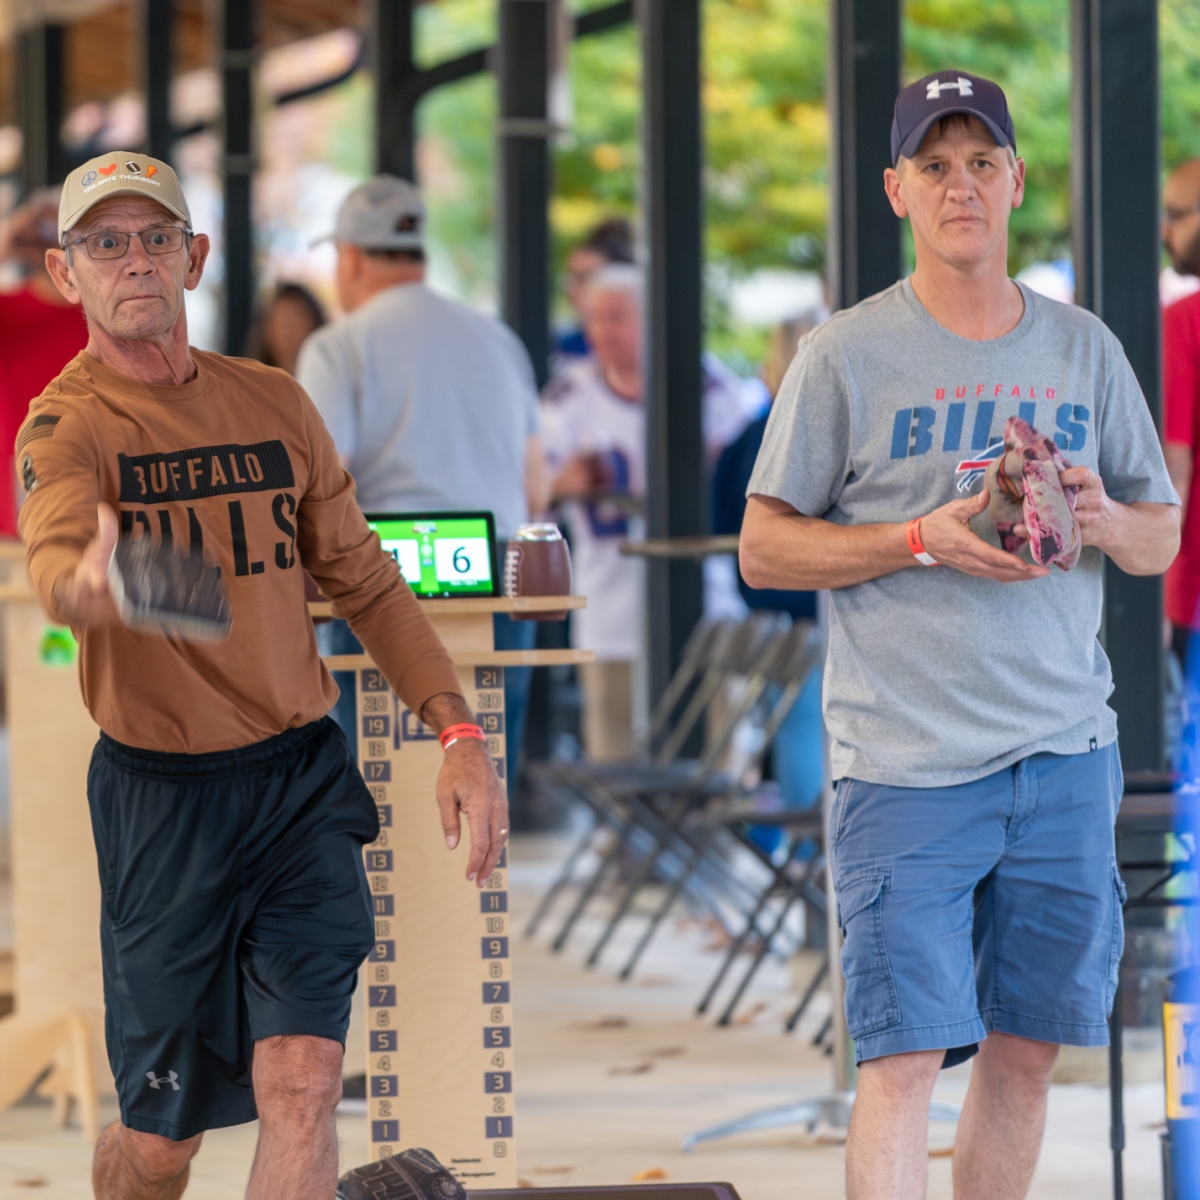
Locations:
948 537
83 595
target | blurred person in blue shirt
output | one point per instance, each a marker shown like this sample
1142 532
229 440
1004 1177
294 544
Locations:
798 753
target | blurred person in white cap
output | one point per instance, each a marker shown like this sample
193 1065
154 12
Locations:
432 405
40 332
228 813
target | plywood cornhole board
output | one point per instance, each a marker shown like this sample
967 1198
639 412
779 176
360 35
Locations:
438 985
440 1053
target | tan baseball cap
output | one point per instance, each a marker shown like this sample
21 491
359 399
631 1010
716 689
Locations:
120 173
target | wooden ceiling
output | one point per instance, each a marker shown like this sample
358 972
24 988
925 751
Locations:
102 49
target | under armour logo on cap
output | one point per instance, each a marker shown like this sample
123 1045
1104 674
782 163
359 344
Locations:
156 1083
935 88
945 92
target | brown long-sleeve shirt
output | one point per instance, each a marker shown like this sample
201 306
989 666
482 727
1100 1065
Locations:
238 464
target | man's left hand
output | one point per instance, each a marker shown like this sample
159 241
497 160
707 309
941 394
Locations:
1098 516
1141 538
467 785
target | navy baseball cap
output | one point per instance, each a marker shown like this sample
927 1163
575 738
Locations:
942 93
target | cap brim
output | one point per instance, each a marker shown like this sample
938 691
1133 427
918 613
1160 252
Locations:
916 136
120 190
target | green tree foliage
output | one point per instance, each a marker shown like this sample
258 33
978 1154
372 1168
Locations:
1179 38
766 130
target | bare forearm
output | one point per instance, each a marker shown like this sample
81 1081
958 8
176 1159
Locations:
444 709
780 548
1142 539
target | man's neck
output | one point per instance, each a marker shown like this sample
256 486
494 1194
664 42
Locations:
164 361
372 287
624 382
978 304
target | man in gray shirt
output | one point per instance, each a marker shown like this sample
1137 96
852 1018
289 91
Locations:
432 406
965 693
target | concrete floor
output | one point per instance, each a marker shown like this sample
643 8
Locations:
611 1076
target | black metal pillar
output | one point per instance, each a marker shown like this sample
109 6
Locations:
1115 187
395 98
863 255
523 129
158 60
672 207
39 53
237 58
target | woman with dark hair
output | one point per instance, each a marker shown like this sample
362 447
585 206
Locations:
292 313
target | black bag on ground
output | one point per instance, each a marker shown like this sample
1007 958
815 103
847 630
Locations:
410 1175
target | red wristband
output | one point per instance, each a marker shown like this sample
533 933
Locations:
912 535
452 733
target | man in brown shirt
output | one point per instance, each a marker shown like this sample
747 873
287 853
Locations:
228 813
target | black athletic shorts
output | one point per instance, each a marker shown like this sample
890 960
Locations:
235 908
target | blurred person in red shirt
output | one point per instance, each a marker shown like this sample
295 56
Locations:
1181 397
39 331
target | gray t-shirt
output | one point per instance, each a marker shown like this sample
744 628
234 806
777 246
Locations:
935 677
430 403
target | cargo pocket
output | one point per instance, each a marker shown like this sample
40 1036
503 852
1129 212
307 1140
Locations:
1117 946
871 1003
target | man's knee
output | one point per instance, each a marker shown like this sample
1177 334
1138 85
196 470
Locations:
1018 1057
156 1159
902 1074
297 1077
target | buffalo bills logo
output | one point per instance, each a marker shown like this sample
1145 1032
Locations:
971 470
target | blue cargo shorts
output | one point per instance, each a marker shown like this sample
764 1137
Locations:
990 905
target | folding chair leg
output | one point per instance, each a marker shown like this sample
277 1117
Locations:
757 961
809 993
670 825
735 949
673 893
589 890
626 902
563 878
823 1032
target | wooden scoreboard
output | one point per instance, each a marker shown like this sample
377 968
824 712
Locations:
439 983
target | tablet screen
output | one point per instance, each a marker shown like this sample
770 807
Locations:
441 554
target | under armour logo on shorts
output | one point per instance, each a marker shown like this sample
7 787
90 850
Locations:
157 1083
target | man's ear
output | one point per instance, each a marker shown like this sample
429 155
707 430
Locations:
891 185
60 272
1019 190
197 256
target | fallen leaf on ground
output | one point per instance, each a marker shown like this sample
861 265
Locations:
665 1052
752 1014
525 1183
637 1069
606 1023
653 1173
36 1182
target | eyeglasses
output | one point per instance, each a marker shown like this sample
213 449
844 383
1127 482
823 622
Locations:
1171 215
110 243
